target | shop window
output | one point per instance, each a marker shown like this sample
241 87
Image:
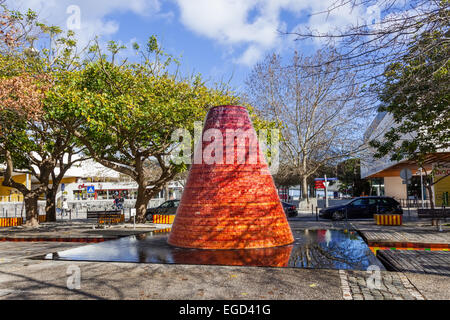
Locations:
102 195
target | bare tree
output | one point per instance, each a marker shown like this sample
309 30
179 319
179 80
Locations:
401 55
318 111
383 35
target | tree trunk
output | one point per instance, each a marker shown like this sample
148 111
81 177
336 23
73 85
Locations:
305 188
31 208
50 205
166 192
141 203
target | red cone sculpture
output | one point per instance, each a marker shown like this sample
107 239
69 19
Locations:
262 257
229 203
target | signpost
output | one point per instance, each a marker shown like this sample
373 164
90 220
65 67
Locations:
406 175
421 189
326 183
323 183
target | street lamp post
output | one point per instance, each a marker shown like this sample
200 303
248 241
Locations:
421 188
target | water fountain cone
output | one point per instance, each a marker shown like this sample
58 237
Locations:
230 204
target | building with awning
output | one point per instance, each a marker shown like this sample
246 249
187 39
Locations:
105 183
385 173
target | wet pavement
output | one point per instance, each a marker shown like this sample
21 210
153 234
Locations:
325 249
24 278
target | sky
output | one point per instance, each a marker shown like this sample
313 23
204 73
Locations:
221 39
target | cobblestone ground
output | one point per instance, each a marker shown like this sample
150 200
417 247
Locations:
377 285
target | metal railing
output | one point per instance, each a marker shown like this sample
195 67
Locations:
17 210
77 209
414 203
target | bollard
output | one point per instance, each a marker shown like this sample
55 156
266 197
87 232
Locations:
317 214
409 214
312 209
439 225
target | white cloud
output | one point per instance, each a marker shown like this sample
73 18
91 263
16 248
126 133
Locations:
94 14
251 55
249 27
228 22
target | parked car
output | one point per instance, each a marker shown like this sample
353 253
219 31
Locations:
168 207
362 207
289 209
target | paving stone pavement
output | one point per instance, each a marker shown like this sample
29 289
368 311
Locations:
377 285
75 229
48 278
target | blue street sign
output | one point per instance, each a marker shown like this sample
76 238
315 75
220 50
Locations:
90 189
323 179
63 186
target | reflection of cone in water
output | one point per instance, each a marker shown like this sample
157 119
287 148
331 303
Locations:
265 257
233 204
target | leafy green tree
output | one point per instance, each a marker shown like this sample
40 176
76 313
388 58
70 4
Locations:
416 93
30 141
349 175
125 114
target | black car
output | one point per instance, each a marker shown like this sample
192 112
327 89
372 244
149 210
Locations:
168 207
289 209
363 207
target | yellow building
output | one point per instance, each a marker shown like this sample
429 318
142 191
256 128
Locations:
442 187
8 194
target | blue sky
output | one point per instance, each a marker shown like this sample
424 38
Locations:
217 38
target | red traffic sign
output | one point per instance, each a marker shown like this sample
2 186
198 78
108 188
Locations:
319 185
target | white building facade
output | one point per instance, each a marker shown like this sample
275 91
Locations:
385 173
